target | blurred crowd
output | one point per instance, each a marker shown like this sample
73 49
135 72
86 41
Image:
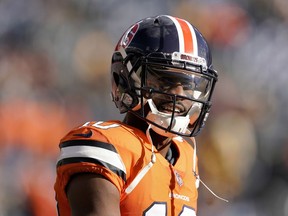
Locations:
54 75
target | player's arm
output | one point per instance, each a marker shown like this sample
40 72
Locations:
93 195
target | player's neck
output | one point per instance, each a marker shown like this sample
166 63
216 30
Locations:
136 122
161 143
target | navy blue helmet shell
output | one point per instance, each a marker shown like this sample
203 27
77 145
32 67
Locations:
172 44
165 34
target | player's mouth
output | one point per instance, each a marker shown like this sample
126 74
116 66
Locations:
168 108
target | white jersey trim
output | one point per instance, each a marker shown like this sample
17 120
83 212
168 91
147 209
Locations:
97 153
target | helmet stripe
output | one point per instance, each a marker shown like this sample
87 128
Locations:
186 35
180 33
194 39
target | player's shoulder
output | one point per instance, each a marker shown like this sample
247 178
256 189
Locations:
90 129
110 132
103 144
95 147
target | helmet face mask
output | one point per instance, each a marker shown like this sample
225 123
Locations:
175 84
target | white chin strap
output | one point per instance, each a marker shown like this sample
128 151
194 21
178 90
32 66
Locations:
179 124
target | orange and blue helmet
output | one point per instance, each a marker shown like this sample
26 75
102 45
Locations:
154 55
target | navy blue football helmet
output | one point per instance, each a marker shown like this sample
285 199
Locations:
152 57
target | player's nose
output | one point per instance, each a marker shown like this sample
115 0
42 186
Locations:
177 89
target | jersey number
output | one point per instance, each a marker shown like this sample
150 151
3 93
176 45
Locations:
100 125
161 209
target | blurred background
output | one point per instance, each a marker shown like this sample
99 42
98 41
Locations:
54 75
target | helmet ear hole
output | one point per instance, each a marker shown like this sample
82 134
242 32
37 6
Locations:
120 81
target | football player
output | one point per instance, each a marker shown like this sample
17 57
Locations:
163 79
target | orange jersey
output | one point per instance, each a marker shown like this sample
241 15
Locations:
119 153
